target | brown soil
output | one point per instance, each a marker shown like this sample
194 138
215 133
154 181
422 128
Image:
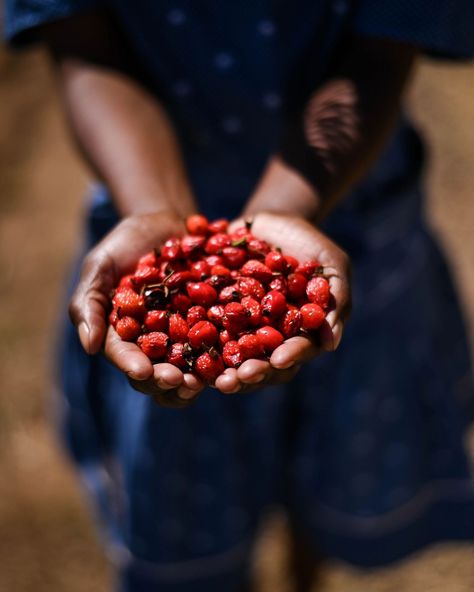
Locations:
48 542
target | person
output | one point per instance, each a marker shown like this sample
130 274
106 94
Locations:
289 115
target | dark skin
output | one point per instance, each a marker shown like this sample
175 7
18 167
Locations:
128 139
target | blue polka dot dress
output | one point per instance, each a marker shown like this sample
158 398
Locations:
365 448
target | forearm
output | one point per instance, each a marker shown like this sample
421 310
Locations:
120 127
330 144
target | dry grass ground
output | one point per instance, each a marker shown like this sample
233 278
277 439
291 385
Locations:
47 542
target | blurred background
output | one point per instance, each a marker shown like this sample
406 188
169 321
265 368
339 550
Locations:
47 540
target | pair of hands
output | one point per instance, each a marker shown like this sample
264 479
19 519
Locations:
117 254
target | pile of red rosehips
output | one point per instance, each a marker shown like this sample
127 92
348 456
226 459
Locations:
213 299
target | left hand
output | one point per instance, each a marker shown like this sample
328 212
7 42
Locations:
296 237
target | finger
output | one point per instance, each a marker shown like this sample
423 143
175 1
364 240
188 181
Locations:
253 371
190 388
293 351
127 357
167 376
276 377
228 381
89 303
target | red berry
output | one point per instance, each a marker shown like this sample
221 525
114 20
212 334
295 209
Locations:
254 310
178 279
312 316
201 293
180 355
113 318
202 334
251 347
145 275
216 243
290 323
248 286
156 320
292 262
128 328
279 283
276 261
195 314
229 294
127 282
317 291
257 248
215 314
149 260
178 328
224 337
270 338
197 224
273 305
309 268
180 302
200 269
296 283
192 246
154 344
212 260
209 366
232 355
218 226
235 318
234 257
171 250
257 270
129 303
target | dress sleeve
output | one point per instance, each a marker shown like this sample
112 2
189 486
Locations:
439 27
22 17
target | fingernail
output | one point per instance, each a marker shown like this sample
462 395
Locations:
337 334
84 335
283 364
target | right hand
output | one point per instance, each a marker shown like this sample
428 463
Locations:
115 256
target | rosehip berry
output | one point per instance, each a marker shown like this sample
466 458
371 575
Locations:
218 226
292 262
309 268
145 275
180 302
276 261
151 259
156 297
201 293
273 305
128 328
254 310
220 271
224 337
248 286
229 294
195 314
200 270
312 316
113 318
317 291
197 224
178 328
216 243
242 232
202 334
171 250
212 260
251 347
296 283
156 320
279 283
290 323
257 270
270 338
154 345
178 279
129 303
215 314
127 282
232 355
180 355
234 257
192 246
257 248
235 318
209 366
